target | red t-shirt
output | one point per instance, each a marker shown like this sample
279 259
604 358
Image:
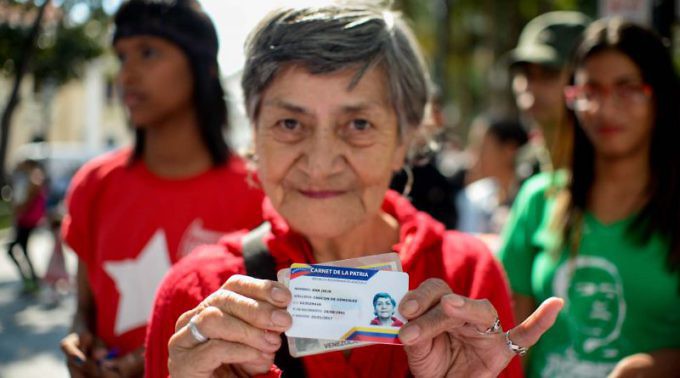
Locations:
425 248
129 226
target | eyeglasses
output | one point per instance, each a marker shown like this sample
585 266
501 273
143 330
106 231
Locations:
588 97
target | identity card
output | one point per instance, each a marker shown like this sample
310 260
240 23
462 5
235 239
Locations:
342 303
300 347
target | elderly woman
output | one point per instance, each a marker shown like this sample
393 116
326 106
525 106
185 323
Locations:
334 95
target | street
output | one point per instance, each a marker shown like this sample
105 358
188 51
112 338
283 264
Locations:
31 326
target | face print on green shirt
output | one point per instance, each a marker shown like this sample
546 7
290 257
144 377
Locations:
620 297
595 304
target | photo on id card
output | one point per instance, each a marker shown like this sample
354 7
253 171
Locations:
340 303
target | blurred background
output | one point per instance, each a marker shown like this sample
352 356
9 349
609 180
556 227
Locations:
59 106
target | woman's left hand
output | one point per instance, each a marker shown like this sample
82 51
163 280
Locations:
445 334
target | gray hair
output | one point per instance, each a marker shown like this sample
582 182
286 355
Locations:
336 37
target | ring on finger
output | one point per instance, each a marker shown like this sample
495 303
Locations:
495 328
193 328
518 350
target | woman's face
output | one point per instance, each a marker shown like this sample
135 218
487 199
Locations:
327 152
618 111
384 308
155 79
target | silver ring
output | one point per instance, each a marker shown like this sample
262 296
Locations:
494 329
518 350
198 336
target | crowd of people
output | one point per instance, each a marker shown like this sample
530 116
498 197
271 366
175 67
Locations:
552 251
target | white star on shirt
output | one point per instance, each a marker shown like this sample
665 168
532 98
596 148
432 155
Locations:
137 281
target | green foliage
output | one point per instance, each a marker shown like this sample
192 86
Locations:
62 47
61 58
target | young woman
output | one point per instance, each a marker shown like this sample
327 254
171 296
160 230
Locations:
606 235
135 212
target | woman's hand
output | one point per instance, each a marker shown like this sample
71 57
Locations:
242 322
82 352
445 334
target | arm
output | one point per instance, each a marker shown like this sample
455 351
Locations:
86 354
83 321
659 363
81 345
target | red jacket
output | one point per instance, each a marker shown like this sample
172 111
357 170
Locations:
425 248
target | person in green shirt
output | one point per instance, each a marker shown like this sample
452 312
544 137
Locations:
604 234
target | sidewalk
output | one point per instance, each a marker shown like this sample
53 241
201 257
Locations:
32 326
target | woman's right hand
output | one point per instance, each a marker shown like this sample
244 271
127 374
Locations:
82 352
242 321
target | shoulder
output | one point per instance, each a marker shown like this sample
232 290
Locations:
88 181
98 168
539 186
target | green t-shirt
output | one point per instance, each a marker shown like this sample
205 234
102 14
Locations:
621 298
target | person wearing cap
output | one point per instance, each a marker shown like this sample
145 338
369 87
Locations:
539 75
134 212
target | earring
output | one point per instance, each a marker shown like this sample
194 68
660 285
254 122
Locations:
409 180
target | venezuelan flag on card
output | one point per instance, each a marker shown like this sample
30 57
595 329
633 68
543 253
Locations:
341 303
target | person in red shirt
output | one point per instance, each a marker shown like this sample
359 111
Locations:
335 95
134 212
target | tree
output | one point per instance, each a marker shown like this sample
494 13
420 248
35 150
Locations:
44 41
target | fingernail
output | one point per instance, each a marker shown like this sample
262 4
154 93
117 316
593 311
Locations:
410 307
279 294
409 334
78 361
272 338
280 318
455 300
